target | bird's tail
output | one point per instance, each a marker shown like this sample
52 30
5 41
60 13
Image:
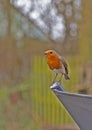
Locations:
66 77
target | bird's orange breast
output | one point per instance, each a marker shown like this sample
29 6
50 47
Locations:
54 63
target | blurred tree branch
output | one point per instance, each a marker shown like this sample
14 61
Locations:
32 22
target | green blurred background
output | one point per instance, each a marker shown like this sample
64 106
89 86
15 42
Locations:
26 101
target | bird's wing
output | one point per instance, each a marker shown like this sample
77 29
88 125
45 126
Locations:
64 64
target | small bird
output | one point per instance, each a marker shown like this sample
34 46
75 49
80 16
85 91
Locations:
57 63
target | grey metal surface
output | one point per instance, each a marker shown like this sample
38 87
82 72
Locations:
79 106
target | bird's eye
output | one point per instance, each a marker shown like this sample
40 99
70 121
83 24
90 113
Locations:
51 52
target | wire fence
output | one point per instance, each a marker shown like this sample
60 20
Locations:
45 103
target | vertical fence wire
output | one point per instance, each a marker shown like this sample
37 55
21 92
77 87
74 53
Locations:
46 105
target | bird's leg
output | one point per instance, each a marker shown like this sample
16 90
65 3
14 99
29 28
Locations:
60 78
55 77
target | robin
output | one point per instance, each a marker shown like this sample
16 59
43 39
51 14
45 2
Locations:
57 63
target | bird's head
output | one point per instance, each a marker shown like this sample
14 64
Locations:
50 54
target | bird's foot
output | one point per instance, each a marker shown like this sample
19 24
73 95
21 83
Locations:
60 81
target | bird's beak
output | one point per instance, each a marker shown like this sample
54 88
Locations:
45 53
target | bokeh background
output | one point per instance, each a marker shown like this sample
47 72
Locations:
27 29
